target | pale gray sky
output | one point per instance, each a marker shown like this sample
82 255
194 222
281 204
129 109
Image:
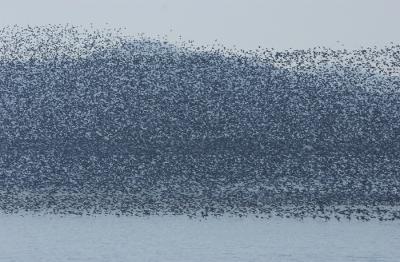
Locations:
245 23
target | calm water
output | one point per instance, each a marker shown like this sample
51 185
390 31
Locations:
50 238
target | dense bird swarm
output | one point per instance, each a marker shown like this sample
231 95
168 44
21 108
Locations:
95 122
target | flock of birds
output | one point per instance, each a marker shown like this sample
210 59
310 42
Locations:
96 122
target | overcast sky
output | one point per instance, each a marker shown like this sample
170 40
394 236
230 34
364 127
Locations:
247 24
